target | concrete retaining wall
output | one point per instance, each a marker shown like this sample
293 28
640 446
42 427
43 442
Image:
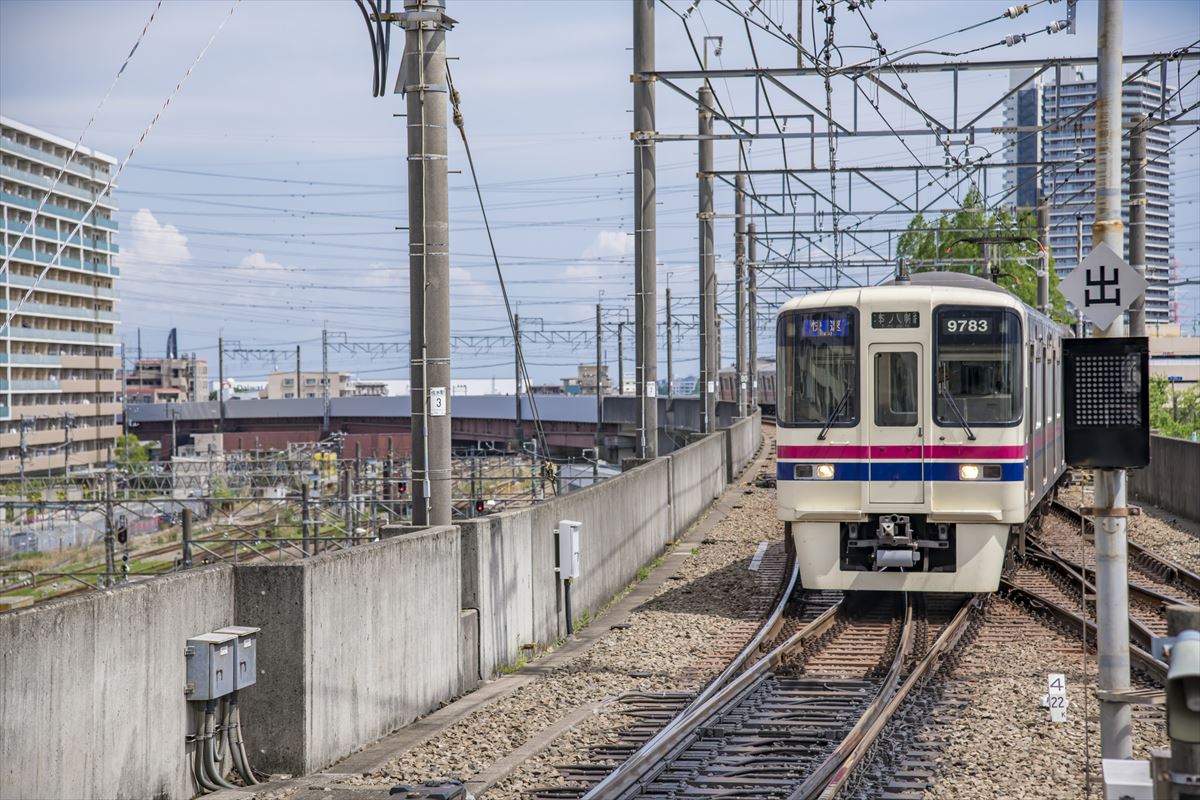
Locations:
697 476
354 644
509 559
91 688
1170 480
742 439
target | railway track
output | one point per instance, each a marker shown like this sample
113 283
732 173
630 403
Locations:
208 549
1063 547
792 717
1055 579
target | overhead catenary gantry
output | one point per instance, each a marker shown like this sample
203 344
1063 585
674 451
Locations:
824 204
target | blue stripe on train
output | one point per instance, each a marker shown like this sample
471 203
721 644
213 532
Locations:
898 471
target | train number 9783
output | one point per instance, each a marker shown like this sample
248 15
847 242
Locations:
971 325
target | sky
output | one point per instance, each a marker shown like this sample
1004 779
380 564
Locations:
269 201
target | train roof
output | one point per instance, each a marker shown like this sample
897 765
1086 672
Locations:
933 286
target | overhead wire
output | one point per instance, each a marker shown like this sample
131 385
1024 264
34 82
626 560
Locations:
79 141
133 149
459 123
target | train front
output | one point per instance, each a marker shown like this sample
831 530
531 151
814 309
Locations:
900 439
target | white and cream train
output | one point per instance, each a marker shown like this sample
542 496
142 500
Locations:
919 429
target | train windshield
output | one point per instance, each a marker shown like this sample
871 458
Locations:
817 365
978 379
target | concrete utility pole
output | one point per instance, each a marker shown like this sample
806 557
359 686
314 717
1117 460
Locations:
708 267
324 380
1043 274
621 358
110 554
520 434
752 310
68 426
220 384
425 86
1112 570
22 450
739 292
1079 326
297 392
645 222
599 383
670 345
187 537
1137 218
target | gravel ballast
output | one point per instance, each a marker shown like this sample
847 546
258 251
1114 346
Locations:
1002 743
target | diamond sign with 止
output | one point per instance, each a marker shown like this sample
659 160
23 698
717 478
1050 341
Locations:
1103 286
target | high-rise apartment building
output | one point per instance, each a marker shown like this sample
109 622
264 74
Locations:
1070 188
59 393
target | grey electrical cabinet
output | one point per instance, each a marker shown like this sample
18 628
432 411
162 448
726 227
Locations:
245 660
210 665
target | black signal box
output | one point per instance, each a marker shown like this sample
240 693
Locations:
1106 402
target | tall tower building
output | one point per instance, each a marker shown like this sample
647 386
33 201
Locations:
59 392
1070 189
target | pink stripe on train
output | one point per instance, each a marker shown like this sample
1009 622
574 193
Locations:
900 452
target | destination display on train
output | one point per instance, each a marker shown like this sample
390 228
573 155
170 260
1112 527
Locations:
826 326
895 319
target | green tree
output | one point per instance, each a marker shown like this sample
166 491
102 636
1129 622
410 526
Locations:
1174 411
925 244
131 453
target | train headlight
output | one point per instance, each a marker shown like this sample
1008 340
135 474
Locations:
824 472
968 472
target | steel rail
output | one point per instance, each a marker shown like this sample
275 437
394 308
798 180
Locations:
677 735
856 754
831 769
1143 593
766 631
1139 634
1171 570
1073 620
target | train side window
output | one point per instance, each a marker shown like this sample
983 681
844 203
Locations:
896 378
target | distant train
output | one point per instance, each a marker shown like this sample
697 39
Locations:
919 428
766 386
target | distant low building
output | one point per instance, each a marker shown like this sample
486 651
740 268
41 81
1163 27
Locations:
1176 358
167 380
282 385
369 389
585 381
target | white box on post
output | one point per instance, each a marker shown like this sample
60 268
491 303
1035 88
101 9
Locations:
568 549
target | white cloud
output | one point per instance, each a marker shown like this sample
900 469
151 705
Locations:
258 262
151 248
608 248
609 244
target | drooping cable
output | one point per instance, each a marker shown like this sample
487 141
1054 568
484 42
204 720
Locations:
462 130
374 49
121 168
78 142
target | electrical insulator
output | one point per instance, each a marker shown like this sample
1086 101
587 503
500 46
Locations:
1014 39
1058 25
1015 11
